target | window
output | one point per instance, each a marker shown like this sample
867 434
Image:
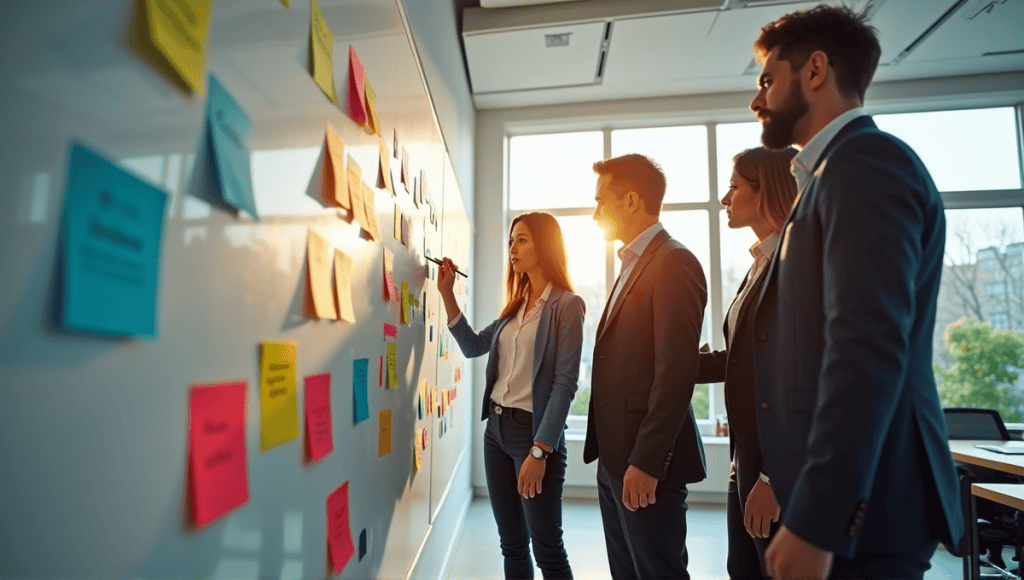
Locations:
1000 321
995 289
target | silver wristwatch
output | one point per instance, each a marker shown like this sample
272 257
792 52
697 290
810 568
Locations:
538 453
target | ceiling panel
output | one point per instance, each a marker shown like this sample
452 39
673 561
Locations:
900 23
1000 30
659 48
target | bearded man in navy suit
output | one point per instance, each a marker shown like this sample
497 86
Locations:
849 421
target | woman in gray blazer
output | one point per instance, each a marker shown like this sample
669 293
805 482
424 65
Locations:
532 370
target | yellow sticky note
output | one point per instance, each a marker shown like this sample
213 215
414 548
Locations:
384 435
417 457
322 46
180 29
384 173
392 365
285 2
406 318
355 190
343 282
369 217
319 262
398 223
371 105
338 183
279 408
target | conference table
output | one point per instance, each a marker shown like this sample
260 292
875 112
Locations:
1012 495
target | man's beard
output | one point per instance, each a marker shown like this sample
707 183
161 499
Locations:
778 126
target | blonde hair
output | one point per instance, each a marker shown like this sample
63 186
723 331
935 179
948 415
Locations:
768 173
550 247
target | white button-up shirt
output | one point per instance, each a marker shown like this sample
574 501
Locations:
516 345
629 255
762 252
802 165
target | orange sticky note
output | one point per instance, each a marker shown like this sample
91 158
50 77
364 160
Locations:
216 448
319 262
356 88
384 173
369 218
343 283
355 190
319 431
384 436
339 534
335 176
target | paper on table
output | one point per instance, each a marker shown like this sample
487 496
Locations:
392 349
231 138
339 534
180 30
216 449
356 88
360 407
319 263
319 430
321 46
279 406
343 282
369 219
355 191
112 223
335 176
384 435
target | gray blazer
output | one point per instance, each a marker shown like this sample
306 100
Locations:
556 361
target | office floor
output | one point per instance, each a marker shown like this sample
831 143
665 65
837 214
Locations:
478 557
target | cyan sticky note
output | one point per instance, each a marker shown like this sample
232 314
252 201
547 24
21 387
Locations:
231 139
360 406
112 227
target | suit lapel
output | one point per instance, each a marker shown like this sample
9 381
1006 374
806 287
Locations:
543 327
725 327
638 269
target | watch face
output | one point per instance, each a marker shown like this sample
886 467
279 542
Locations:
537 452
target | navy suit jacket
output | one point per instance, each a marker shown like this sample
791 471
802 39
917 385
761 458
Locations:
850 426
556 361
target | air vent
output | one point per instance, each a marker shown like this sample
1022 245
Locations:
556 40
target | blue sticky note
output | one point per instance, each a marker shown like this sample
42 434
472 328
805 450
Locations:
231 138
112 227
359 373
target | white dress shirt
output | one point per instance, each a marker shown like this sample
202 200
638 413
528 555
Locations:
629 255
762 252
802 165
516 345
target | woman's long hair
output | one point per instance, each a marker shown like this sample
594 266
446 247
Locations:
768 173
550 248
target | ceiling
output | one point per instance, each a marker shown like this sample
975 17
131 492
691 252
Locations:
535 52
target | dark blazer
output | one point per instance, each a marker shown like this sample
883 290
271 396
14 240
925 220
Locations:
735 366
645 363
851 429
556 361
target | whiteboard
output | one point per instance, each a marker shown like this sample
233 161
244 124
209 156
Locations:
93 430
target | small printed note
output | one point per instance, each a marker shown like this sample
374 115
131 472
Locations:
339 533
321 46
356 88
180 29
319 263
335 175
343 283
392 349
231 137
319 430
113 224
384 434
279 407
360 406
216 449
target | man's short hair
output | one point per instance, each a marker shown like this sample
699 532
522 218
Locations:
635 172
850 43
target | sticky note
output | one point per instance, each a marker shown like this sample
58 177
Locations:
384 171
319 430
339 535
390 292
216 449
231 141
380 372
321 47
279 407
360 404
369 219
390 330
406 317
335 175
343 283
179 29
417 459
355 190
425 438
373 124
392 350
384 434
319 263
356 88
112 225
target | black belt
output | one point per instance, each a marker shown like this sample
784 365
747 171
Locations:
510 411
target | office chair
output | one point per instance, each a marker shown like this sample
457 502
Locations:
998 525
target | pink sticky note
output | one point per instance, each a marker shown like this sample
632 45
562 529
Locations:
390 286
217 449
356 88
319 432
390 330
339 536
380 373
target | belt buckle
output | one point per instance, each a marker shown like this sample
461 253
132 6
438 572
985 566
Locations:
497 409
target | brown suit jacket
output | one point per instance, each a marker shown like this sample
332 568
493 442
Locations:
645 363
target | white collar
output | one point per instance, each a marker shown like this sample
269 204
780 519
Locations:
639 245
804 162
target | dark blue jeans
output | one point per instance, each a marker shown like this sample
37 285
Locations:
507 442
650 543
